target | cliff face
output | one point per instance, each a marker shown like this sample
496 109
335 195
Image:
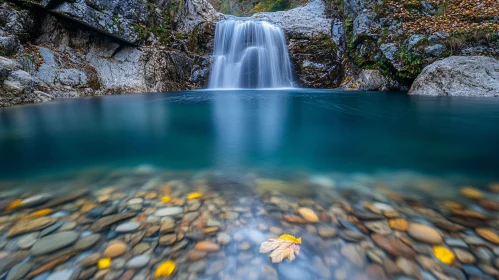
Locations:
54 49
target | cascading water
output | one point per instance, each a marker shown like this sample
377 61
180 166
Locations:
250 54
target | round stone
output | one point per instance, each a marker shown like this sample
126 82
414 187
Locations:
64 274
471 193
383 206
136 200
464 256
35 199
115 249
54 242
326 232
87 242
169 211
398 224
127 227
27 241
91 260
488 235
424 233
223 238
19 271
194 255
138 261
207 246
308 214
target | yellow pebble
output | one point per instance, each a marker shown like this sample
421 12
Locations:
165 199
194 195
443 254
104 263
39 213
165 269
471 193
14 204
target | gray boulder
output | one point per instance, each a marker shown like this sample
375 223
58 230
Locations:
435 50
459 76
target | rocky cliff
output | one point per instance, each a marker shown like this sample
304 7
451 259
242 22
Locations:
53 48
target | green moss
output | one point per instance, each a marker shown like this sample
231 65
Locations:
94 82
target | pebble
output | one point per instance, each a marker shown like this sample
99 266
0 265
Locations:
138 261
25 226
108 221
197 266
455 242
64 274
464 256
140 248
408 267
91 260
326 231
35 199
27 241
127 227
86 242
393 246
308 214
398 224
169 211
19 271
194 255
223 238
167 239
215 267
207 246
51 229
54 242
115 250
380 227
167 225
424 233
471 193
355 254
488 235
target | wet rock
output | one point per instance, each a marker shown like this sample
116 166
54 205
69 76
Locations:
87 242
269 273
392 246
19 271
25 226
106 222
488 235
308 214
215 267
408 267
207 246
380 227
35 200
223 238
355 254
140 248
127 227
138 261
115 249
65 198
195 255
87 273
167 225
26 241
54 242
455 242
64 274
197 266
464 256
326 232
424 233
167 240
169 211
320 268
91 260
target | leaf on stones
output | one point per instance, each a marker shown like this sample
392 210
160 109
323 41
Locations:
280 249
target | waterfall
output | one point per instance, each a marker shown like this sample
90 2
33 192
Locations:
250 54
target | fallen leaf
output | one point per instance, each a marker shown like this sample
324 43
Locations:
284 247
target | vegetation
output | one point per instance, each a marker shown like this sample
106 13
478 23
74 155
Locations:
248 7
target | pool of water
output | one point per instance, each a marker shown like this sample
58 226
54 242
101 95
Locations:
377 186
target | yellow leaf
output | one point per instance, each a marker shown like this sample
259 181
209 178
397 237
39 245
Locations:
165 269
39 213
194 195
290 238
104 263
165 199
443 254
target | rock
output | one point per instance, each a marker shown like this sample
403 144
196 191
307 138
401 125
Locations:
414 40
140 248
308 214
169 211
408 267
194 255
19 271
326 232
435 50
389 51
106 222
138 261
392 246
167 240
87 273
488 235
35 200
223 238
380 227
464 256
91 260
54 242
215 267
25 226
398 224
471 193
127 227
197 266
65 198
424 233
115 250
355 254
269 273
64 274
87 242
167 225
27 240
459 76
207 246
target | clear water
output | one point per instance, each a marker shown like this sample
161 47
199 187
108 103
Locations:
250 54
312 130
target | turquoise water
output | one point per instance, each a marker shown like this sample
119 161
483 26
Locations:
312 130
